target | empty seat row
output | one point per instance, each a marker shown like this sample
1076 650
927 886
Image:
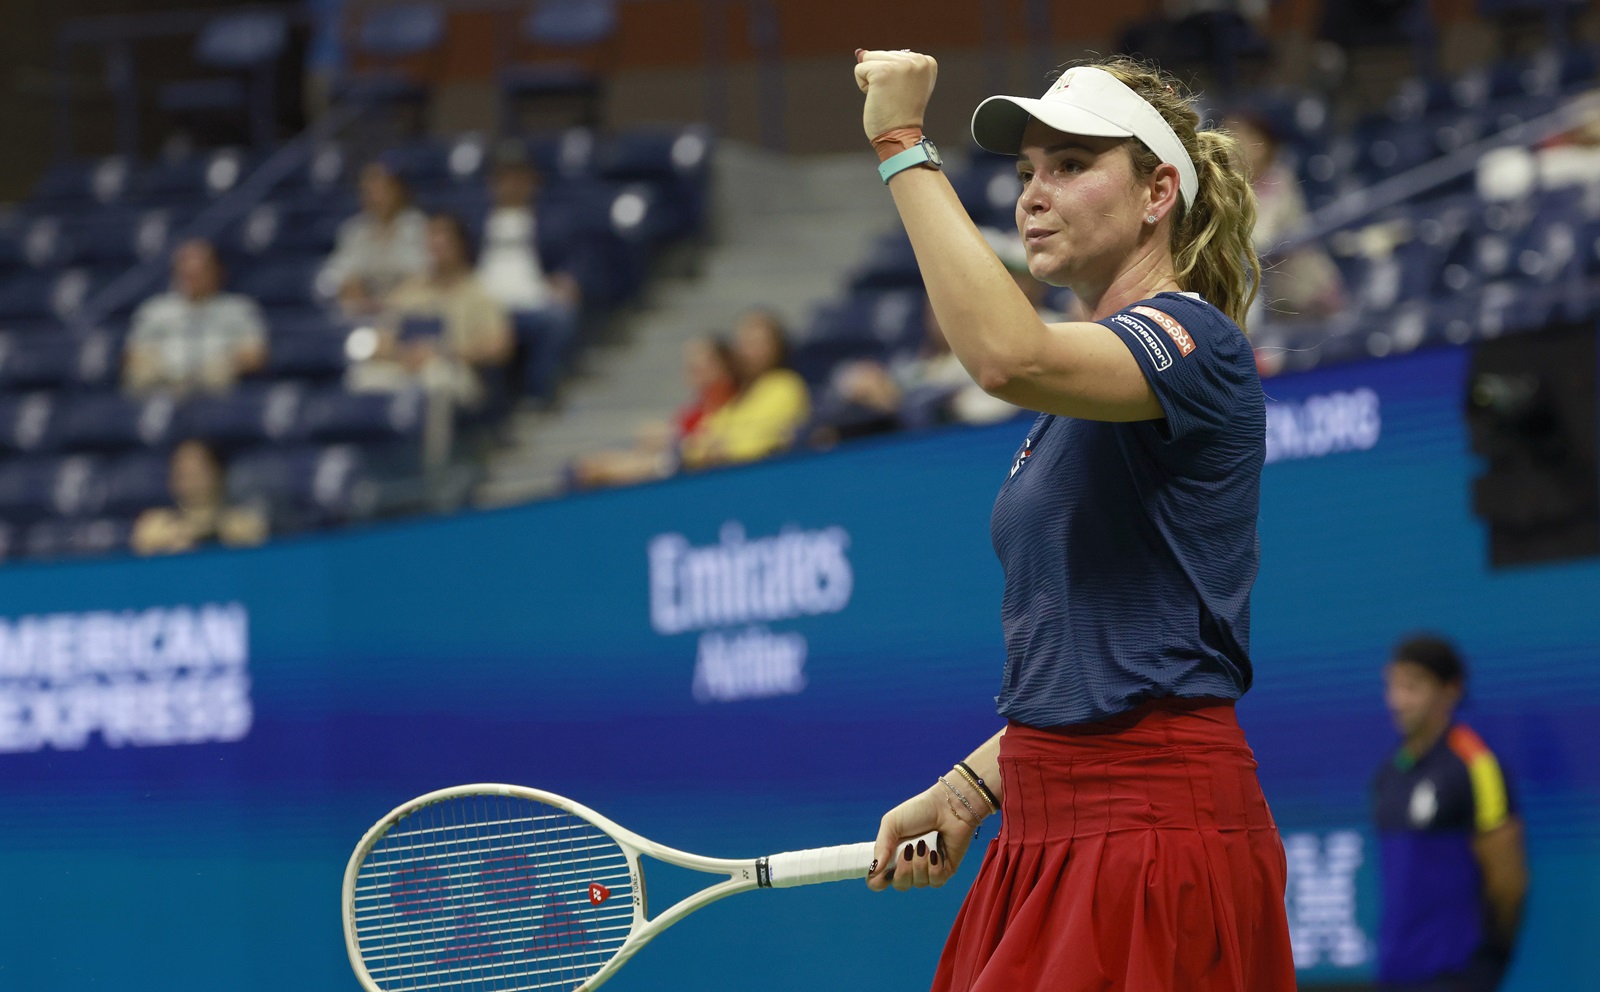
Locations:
327 481
273 413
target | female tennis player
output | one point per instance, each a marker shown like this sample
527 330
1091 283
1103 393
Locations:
1137 853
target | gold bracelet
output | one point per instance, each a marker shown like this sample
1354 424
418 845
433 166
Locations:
973 781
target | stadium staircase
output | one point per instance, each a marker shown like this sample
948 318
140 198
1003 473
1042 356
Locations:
785 232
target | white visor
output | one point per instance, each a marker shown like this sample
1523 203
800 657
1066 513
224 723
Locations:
1088 101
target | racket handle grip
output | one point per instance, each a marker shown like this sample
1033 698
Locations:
827 864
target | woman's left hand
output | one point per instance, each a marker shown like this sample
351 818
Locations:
898 86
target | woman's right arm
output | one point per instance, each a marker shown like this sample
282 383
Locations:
953 807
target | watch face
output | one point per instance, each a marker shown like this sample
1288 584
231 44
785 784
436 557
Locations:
933 153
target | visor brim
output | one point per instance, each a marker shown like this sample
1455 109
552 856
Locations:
999 121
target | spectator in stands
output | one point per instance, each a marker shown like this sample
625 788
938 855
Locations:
379 248
194 336
1305 282
770 408
1454 869
509 265
200 513
442 333
709 365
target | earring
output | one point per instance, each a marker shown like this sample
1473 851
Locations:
1150 219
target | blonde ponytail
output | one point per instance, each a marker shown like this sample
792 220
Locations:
1212 252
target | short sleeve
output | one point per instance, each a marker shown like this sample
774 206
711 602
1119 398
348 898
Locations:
1196 360
1492 804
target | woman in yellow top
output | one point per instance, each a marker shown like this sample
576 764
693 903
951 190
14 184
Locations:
771 406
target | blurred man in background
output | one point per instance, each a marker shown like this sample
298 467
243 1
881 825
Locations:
509 265
194 336
1454 868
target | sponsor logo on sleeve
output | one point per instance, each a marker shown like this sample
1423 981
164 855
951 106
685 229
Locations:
1176 331
1160 357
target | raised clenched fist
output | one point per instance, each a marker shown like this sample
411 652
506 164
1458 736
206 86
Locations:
898 86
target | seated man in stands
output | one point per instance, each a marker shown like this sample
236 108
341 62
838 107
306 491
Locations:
441 332
194 336
709 365
509 265
199 514
379 248
770 408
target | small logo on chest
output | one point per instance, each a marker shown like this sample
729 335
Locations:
1022 456
1424 803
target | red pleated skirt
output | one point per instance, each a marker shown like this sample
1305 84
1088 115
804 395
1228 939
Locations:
1135 855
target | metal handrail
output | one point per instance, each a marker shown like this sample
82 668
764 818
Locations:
1362 204
139 280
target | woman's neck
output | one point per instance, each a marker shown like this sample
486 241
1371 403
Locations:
1146 275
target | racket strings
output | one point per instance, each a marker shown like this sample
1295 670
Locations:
491 892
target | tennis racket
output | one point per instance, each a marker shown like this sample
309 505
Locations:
482 887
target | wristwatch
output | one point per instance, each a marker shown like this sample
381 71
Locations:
924 152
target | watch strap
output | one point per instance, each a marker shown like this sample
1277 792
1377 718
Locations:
917 154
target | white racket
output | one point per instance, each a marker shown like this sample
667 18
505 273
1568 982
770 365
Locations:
481 887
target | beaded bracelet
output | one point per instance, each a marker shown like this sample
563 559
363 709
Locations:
988 797
976 819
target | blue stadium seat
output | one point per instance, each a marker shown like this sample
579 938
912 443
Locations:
83 184
318 355
388 35
110 421
1391 148
335 415
25 423
424 163
33 361
76 538
26 295
311 485
40 487
889 321
194 177
656 154
890 265
989 189
135 482
246 45
119 237
251 414
272 229
324 175
569 27
562 154
286 281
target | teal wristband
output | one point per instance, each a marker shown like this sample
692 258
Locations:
922 153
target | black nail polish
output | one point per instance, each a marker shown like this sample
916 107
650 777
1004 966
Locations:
872 867
922 848
933 858
908 852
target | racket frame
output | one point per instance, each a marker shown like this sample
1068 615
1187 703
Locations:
743 874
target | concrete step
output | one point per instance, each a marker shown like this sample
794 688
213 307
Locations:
786 232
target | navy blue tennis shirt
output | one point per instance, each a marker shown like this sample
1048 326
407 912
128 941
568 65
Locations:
1129 549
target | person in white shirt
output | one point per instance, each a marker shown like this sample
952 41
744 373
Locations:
194 337
379 248
508 265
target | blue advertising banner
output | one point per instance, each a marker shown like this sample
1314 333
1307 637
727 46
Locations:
734 663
